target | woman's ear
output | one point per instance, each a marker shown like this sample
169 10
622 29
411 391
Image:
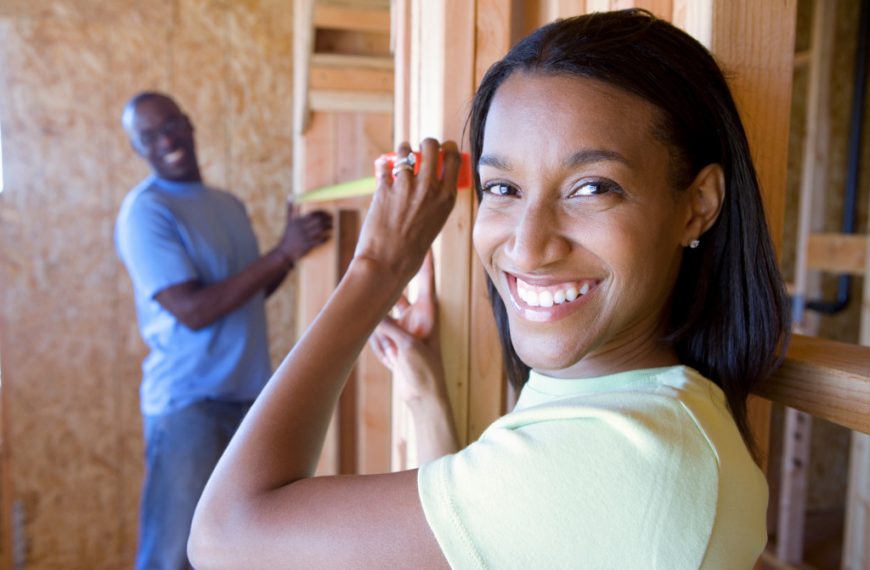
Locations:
706 196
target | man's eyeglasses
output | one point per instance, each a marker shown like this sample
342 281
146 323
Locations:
177 126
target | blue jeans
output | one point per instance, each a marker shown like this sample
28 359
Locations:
181 449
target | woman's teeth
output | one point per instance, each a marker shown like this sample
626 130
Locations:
549 296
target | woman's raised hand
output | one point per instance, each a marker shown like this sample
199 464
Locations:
408 343
407 213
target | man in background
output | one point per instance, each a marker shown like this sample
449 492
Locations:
200 285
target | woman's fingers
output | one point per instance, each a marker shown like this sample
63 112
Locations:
429 152
383 173
402 175
408 210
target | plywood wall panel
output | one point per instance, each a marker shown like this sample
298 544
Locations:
59 264
260 152
71 349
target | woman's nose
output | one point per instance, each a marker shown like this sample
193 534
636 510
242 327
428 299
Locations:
537 239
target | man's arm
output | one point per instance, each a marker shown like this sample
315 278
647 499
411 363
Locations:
197 305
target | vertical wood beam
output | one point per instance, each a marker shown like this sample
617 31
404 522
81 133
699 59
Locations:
443 36
486 375
793 490
348 225
754 42
790 503
303 46
856 546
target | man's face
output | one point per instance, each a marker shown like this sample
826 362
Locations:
163 136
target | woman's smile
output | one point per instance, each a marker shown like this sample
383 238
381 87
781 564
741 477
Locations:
550 299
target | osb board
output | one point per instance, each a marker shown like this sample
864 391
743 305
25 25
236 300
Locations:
71 348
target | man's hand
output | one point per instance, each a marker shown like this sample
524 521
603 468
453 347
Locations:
303 233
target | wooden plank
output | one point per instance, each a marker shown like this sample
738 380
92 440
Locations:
697 18
826 379
442 84
402 67
663 9
335 101
761 69
347 17
350 60
837 253
318 276
566 9
303 46
793 486
347 225
6 497
330 78
856 547
486 375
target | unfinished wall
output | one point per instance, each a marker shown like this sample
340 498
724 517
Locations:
71 350
829 465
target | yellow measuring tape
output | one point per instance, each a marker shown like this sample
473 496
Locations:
361 187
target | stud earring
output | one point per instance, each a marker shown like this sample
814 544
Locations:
694 243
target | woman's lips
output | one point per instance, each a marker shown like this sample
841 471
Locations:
546 301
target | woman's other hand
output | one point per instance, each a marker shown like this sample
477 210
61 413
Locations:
408 343
407 213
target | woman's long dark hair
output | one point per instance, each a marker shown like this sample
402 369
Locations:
730 317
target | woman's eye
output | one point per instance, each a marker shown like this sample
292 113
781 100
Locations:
595 188
499 189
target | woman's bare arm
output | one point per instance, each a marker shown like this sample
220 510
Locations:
262 508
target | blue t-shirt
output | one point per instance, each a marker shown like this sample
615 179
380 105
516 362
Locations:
168 233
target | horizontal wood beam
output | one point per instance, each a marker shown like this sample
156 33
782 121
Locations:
837 253
328 100
351 79
350 60
356 18
826 379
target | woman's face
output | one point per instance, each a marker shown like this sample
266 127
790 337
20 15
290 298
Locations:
578 227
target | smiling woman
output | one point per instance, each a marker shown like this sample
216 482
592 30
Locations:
637 299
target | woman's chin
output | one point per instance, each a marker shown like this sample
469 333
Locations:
548 362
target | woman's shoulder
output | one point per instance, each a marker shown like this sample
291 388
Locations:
603 464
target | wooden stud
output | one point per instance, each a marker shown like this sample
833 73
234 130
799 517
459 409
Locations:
402 42
347 225
762 91
836 253
333 101
351 79
442 83
348 17
486 376
826 379
856 547
792 484
303 46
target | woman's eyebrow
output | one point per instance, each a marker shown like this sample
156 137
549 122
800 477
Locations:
495 161
587 156
579 158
